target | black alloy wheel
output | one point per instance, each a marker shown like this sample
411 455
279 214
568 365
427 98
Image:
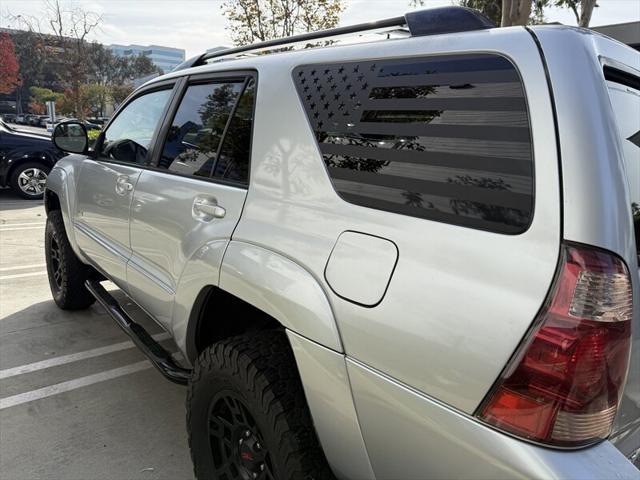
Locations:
237 445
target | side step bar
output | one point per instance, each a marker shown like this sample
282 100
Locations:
159 357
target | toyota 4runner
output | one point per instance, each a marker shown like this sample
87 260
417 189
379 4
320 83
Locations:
405 258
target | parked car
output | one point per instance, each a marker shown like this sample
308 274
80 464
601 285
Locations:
402 259
42 121
88 125
30 119
9 117
20 118
26 159
98 120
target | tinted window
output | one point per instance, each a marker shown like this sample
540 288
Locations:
129 136
233 164
441 138
196 131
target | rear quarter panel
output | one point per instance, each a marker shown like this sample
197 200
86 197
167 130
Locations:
460 300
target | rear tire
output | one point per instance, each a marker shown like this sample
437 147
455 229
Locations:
67 273
28 180
247 416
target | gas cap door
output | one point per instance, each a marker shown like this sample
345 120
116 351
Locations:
360 267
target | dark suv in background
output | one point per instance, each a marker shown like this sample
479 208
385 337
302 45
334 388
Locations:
26 159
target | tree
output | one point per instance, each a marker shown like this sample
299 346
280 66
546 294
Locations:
69 25
491 8
119 93
96 98
40 96
106 68
31 59
9 69
516 10
582 9
259 20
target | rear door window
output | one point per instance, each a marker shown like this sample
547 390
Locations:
198 126
441 138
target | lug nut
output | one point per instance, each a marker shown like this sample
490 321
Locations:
240 441
247 433
258 446
262 467
254 475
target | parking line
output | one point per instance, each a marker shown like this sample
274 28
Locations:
21 228
22 267
30 224
74 384
22 275
74 357
23 202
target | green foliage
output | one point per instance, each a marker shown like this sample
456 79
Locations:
44 95
259 20
118 92
491 8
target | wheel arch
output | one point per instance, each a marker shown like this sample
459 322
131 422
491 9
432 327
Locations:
257 289
59 195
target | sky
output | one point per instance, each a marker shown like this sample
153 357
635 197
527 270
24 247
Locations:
196 25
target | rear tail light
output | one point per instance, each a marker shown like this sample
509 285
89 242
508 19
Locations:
564 385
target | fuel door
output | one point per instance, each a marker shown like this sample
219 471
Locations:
360 267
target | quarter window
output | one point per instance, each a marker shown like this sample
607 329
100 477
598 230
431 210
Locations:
129 136
441 138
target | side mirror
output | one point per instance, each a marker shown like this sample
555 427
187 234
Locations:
71 137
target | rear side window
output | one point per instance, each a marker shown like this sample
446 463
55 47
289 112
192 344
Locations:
210 135
441 138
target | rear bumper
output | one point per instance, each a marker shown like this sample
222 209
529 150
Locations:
410 436
628 442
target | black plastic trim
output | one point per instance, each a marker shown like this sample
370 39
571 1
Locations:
619 76
159 357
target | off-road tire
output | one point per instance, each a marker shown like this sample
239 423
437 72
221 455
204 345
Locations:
260 371
67 273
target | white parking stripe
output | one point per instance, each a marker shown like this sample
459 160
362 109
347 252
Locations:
22 267
30 224
22 275
74 384
73 357
21 228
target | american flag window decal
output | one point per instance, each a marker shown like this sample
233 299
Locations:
441 138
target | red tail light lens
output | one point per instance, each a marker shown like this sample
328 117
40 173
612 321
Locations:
565 384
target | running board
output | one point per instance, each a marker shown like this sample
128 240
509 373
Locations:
159 357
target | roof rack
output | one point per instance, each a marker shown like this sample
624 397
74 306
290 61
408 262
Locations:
432 21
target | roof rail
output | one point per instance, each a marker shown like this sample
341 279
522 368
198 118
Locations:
431 21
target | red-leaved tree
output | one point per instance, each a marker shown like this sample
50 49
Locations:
9 69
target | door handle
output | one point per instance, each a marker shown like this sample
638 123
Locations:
123 186
207 209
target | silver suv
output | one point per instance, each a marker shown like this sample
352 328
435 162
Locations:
406 258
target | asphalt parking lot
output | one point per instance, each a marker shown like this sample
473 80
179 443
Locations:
77 399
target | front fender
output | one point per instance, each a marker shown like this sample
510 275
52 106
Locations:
62 182
281 288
